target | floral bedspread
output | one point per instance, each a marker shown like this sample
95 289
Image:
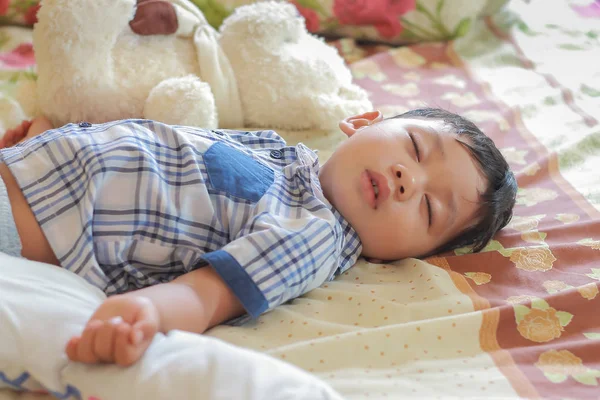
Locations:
519 320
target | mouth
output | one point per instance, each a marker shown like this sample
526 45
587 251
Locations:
375 188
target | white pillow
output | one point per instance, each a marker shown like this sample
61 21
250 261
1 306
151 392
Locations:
42 306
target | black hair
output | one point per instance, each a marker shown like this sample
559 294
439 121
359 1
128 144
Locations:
498 200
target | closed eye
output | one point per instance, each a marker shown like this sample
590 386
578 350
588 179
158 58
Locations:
417 152
429 213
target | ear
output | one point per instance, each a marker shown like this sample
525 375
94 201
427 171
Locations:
352 124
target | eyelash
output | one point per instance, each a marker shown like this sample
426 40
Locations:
429 213
412 138
418 153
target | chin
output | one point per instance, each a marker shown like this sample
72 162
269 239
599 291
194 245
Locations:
382 255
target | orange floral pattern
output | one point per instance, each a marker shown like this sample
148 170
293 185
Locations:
540 325
533 258
533 196
555 286
480 278
525 224
567 218
589 242
514 156
531 169
534 237
589 291
520 299
560 362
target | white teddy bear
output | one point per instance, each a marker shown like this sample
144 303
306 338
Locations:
263 69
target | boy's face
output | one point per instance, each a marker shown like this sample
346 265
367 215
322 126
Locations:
401 201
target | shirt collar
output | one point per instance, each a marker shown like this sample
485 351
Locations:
351 245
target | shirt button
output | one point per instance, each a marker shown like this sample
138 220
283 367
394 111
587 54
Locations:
84 125
276 154
218 133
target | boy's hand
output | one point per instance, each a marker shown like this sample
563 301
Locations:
15 135
119 332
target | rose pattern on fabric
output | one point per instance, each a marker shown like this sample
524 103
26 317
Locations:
479 116
533 196
567 218
525 223
4 6
405 57
405 90
468 99
589 242
558 365
311 18
589 291
514 156
533 259
523 298
560 362
480 278
20 11
20 57
367 69
384 15
30 15
555 286
534 237
531 169
540 323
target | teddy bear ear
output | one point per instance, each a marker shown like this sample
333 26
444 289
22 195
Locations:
270 23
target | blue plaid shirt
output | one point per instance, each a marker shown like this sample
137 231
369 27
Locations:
134 203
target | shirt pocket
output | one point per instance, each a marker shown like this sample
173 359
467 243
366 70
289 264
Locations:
236 173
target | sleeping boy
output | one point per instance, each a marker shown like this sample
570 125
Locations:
187 228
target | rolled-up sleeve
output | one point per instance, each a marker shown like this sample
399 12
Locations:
276 260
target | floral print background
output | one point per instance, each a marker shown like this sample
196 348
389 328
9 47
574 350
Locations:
389 21
19 11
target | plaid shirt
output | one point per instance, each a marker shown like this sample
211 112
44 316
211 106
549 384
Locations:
134 203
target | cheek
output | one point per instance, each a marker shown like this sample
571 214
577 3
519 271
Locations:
388 230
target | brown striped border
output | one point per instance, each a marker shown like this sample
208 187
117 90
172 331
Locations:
490 318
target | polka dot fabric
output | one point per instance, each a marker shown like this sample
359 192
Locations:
381 331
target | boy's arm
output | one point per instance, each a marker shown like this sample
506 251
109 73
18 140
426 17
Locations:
193 302
123 327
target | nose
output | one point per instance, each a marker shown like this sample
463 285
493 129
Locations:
406 182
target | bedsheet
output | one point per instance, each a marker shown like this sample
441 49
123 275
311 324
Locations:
518 320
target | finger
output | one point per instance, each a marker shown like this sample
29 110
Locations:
71 348
104 344
136 336
142 331
124 352
13 136
8 137
85 349
25 125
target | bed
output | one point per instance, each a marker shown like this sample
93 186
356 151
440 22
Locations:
518 320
